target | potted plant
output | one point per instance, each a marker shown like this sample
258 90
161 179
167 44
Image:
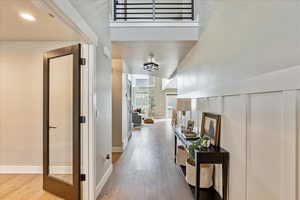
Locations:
206 170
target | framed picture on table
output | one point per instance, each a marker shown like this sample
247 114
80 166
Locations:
211 127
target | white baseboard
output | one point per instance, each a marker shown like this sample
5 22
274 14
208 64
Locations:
117 149
125 142
12 169
104 179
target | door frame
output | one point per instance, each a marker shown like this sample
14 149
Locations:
67 14
166 102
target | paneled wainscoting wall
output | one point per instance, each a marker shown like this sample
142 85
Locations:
260 131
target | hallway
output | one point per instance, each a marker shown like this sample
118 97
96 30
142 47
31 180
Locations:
146 171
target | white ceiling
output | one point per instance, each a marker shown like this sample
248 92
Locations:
13 27
167 54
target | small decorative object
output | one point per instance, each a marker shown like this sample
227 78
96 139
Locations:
190 125
206 170
183 120
188 132
181 155
183 105
190 135
205 141
210 127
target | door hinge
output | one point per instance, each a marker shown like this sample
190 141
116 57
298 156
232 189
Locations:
82 177
82 119
82 61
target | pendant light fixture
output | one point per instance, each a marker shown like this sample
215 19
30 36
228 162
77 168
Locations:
151 65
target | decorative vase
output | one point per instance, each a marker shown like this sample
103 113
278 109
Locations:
205 142
206 174
181 155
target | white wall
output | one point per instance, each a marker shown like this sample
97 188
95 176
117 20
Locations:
126 109
259 131
154 32
96 15
169 83
21 103
103 122
263 38
246 67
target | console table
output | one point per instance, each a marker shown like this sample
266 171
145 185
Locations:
210 155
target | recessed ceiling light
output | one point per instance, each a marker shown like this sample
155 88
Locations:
27 16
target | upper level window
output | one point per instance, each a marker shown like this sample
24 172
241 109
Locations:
142 81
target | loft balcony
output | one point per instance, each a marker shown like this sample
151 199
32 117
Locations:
153 11
148 20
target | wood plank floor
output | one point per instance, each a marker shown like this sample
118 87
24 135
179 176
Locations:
146 170
115 157
23 187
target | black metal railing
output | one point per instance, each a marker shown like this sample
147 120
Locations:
153 10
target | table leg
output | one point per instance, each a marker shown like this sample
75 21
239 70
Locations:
175 149
225 169
197 187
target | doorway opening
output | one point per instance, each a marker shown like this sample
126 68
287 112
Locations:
170 104
31 35
138 101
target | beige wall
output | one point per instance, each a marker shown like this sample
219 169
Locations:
21 101
298 145
159 100
117 103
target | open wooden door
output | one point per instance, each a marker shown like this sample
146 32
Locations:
61 122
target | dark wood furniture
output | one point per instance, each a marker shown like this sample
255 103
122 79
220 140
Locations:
212 155
136 119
